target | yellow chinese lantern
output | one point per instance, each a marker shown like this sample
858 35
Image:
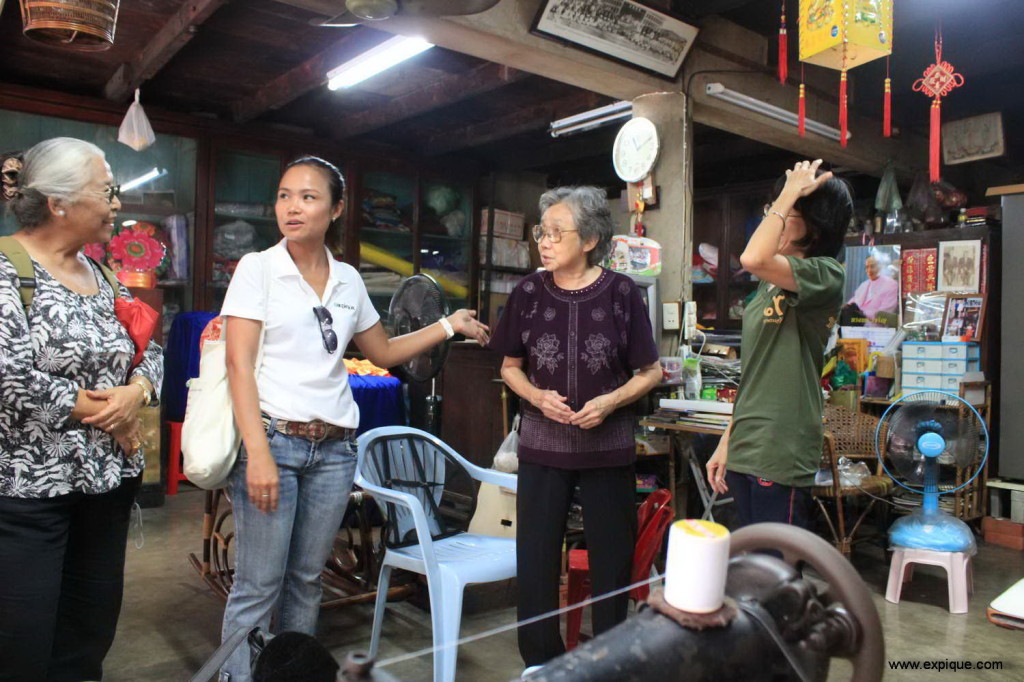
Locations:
841 35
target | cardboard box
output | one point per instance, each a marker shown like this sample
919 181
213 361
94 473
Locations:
995 524
1011 541
885 367
506 223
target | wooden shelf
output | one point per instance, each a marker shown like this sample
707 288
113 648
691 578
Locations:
507 269
142 209
247 218
927 238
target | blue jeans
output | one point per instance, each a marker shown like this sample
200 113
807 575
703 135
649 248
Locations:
279 556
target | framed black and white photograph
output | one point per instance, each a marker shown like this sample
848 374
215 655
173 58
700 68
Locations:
960 266
621 29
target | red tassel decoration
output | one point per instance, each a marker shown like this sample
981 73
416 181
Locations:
887 109
783 47
801 115
843 112
935 141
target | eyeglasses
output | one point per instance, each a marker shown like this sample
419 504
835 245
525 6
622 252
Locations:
330 339
554 235
768 209
110 193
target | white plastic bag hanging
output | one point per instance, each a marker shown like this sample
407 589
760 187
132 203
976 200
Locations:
507 457
135 130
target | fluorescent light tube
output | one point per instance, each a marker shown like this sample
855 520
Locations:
590 124
142 180
771 111
600 112
391 52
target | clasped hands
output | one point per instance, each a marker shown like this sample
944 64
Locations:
554 407
120 416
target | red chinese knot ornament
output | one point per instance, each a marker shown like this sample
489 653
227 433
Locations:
938 80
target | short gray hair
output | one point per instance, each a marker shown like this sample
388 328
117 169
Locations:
590 212
54 168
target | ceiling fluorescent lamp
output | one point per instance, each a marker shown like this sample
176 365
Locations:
142 180
594 118
391 52
771 111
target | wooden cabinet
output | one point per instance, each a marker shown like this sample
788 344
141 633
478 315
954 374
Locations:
473 413
723 220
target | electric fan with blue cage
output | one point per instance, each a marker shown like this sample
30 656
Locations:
932 443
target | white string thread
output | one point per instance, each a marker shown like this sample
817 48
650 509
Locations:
505 628
136 525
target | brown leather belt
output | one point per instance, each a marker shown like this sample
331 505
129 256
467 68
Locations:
315 430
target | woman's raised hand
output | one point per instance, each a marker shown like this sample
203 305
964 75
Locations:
801 181
464 322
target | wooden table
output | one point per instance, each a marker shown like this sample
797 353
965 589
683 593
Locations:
709 500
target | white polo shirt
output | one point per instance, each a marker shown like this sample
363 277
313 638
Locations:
299 380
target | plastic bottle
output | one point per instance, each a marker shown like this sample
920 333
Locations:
961 219
692 380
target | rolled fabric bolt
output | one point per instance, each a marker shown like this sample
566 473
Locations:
698 559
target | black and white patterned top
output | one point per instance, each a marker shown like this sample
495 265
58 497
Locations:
69 342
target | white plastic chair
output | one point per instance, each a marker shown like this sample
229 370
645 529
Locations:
405 470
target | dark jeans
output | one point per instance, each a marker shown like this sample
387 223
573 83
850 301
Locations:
760 501
61 581
609 520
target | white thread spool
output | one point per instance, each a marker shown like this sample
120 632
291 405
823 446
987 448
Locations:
698 559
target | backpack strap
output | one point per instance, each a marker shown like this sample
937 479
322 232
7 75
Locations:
108 275
19 258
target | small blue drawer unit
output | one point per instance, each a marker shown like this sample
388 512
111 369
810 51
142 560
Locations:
938 366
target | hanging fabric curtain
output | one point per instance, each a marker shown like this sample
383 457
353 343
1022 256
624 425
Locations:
843 34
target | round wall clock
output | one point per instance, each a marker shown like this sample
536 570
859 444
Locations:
635 149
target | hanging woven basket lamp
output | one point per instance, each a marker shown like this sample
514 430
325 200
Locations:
85 25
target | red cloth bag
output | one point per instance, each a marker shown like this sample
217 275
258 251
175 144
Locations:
140 320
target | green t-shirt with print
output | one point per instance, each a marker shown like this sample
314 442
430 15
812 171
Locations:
777 428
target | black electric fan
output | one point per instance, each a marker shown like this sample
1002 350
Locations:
361 11
928 438
419 302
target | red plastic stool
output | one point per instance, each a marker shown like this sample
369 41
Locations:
174 467
653 519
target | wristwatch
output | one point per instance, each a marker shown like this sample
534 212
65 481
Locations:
447 326
147 395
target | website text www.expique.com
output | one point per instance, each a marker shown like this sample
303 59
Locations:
946 665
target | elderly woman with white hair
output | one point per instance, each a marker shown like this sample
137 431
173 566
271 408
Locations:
578 349
70 394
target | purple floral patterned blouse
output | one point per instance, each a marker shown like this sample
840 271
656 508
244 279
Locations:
583 344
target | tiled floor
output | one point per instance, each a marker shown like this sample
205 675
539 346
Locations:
171 621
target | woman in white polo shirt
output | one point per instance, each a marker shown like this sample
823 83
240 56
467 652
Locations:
290 485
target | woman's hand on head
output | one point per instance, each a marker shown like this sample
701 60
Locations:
801 181
464 322
594 412
553 406
122 408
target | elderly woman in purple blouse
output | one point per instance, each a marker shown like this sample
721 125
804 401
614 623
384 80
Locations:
578 349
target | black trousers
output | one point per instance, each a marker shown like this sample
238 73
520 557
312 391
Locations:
759 500
609 520
61 581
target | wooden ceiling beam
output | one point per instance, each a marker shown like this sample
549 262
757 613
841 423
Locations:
441 93
168 41
305 77
524 120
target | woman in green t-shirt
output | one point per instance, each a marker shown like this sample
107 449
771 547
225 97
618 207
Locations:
770 452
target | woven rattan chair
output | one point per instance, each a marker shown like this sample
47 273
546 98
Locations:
848 434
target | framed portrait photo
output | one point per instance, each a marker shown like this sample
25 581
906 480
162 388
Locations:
964 318
960 266
624 30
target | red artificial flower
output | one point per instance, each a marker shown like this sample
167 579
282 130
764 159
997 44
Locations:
136 250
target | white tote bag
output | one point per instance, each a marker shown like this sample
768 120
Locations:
210 439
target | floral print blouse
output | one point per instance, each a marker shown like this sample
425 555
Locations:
69 342
582 343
